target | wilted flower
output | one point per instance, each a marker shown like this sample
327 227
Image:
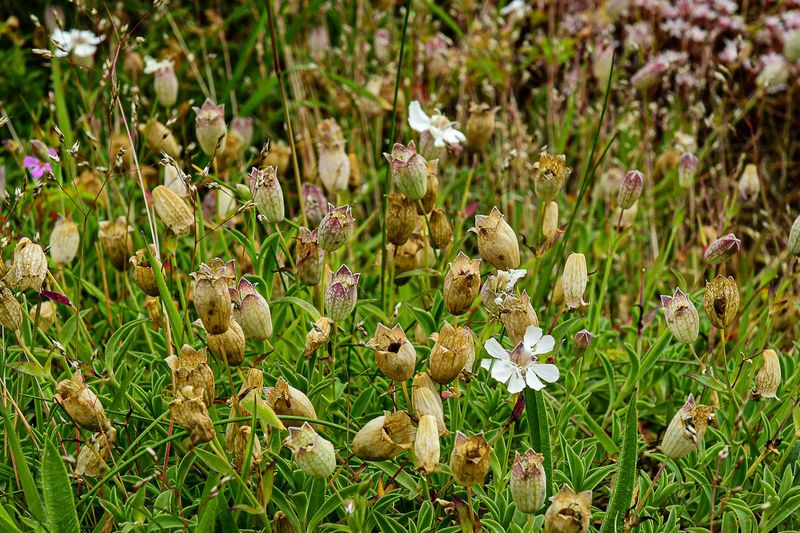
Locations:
574 281
211 296
521 366
409 170
64 241
569 512
10 309
497 241
470 460
630 189
687 169
286 400
190 368
335 228
81 43
551 171
228 346
173 210
497 286
143 274
461 284
29 268
191 414
528 481
116 241
426 444
449 354
251 311
210 127
722 249
401 218
749 184
267 193
426 400
333 164
394 353
721 301
682 318
309 257
314 455
769 376
81 404
384 437
317 335
687 429
341 295
480 126
315 203
92 457
436 132
165 81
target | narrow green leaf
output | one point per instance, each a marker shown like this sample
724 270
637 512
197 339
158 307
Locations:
24 476
626 473
57 491
540 432
304 305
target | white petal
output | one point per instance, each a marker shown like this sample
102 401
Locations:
545 345
453 136
417 118
533 381
502 370
486 363
532 336
494 349
516 383
84 50
514 276
438 136
547 372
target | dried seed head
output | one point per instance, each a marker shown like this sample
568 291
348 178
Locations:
574 280
229 345
92 457
81 404
285 400
192 415
551 171
116 241
568 512
528 482
211 295
769 377
749 184
314 455
721 301
282 524
309 257
190 368
722 249
210 127
426 401
630 189
173 210
401 218
333 164
341 295
449 354
470 460
29 268
160 139
497 241
64 242
794 237
480 126
682 318
517 314
267 193
441 229
687 169
317 335
394 353
384 437
426 445
335 228
143 274
687 429
251 311
461 284
550 227
10 309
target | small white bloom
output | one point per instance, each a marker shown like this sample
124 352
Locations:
152 65
521 367
442 130
81 43
515 8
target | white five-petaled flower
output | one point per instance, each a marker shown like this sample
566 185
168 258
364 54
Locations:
153 65
439 126
520 367
81 43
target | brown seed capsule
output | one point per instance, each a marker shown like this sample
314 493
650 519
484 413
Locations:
282 524
92 457
394 353
173 210
516 314
470 460
551 173
432 187
211 295
426 400
285 400
550 222
480 126
461 284
574 280
441 229
569 512
686 429
116 241
241 442
426 445
401 218
160 139
449 354
769 377
721 301
309 257
47 314
80 403
190 368
384 437
64 242
497 242
317 335
10 309
29 268
153 307
229 345
333 163
143 271
528 481
192 415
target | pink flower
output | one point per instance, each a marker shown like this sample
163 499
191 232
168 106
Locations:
37 167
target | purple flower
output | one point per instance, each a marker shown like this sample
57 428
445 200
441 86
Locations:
38 167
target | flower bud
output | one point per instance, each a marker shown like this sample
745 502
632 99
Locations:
461 284
190 369
341 295
582 341
426 445
682 318
285 400
517 314
333 164
314 455
92 457
29 268
116 241
432 187
211 296
687 169
427 401
317 335
401 218
721 301
749 184
568 512
551 173
267 193
794 237
449 354
409 171
143 274
309 258
315 203
550 227
192 415
497 241
165 81
528 482
687 429
335 228
441 229
769 376
210 127
574 280
497 287
480 126
228 346
64 242
384 437
394 353
160 139
630 189
470 460
251 311
722 249
81 404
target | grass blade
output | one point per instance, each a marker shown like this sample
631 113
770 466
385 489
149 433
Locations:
626 473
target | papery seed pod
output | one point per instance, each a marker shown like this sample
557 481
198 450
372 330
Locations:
247 399
551 171
497 287
721 301
431 188
409 170
686 429
267 193
242 127
333 163
190 368
192 415
427 401
210 127
569 512
407 257
64 241
791 45
394 353
282 524
469 462
722 249
317 335
749 184
143 274
550 227
174 180
251 311
497 241
517 314
92 457
153 307
355 180
29 268
241 442
426 445
116 241
314 455
47 314
461 284
682 318
528 481
285 400
309 258
335 228
165 82
132 64
316 205
449 354
211 296
794 237
441 229
582 341
480 126
341 295
81 404
466 372
558 292
687 169
160 139
401 218
574 280
384 437
228 346
10 309
173 210
769 376
630 189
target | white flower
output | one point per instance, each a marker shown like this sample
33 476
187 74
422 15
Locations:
438 126
152 65
505 282
515 8
81 43
520 367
